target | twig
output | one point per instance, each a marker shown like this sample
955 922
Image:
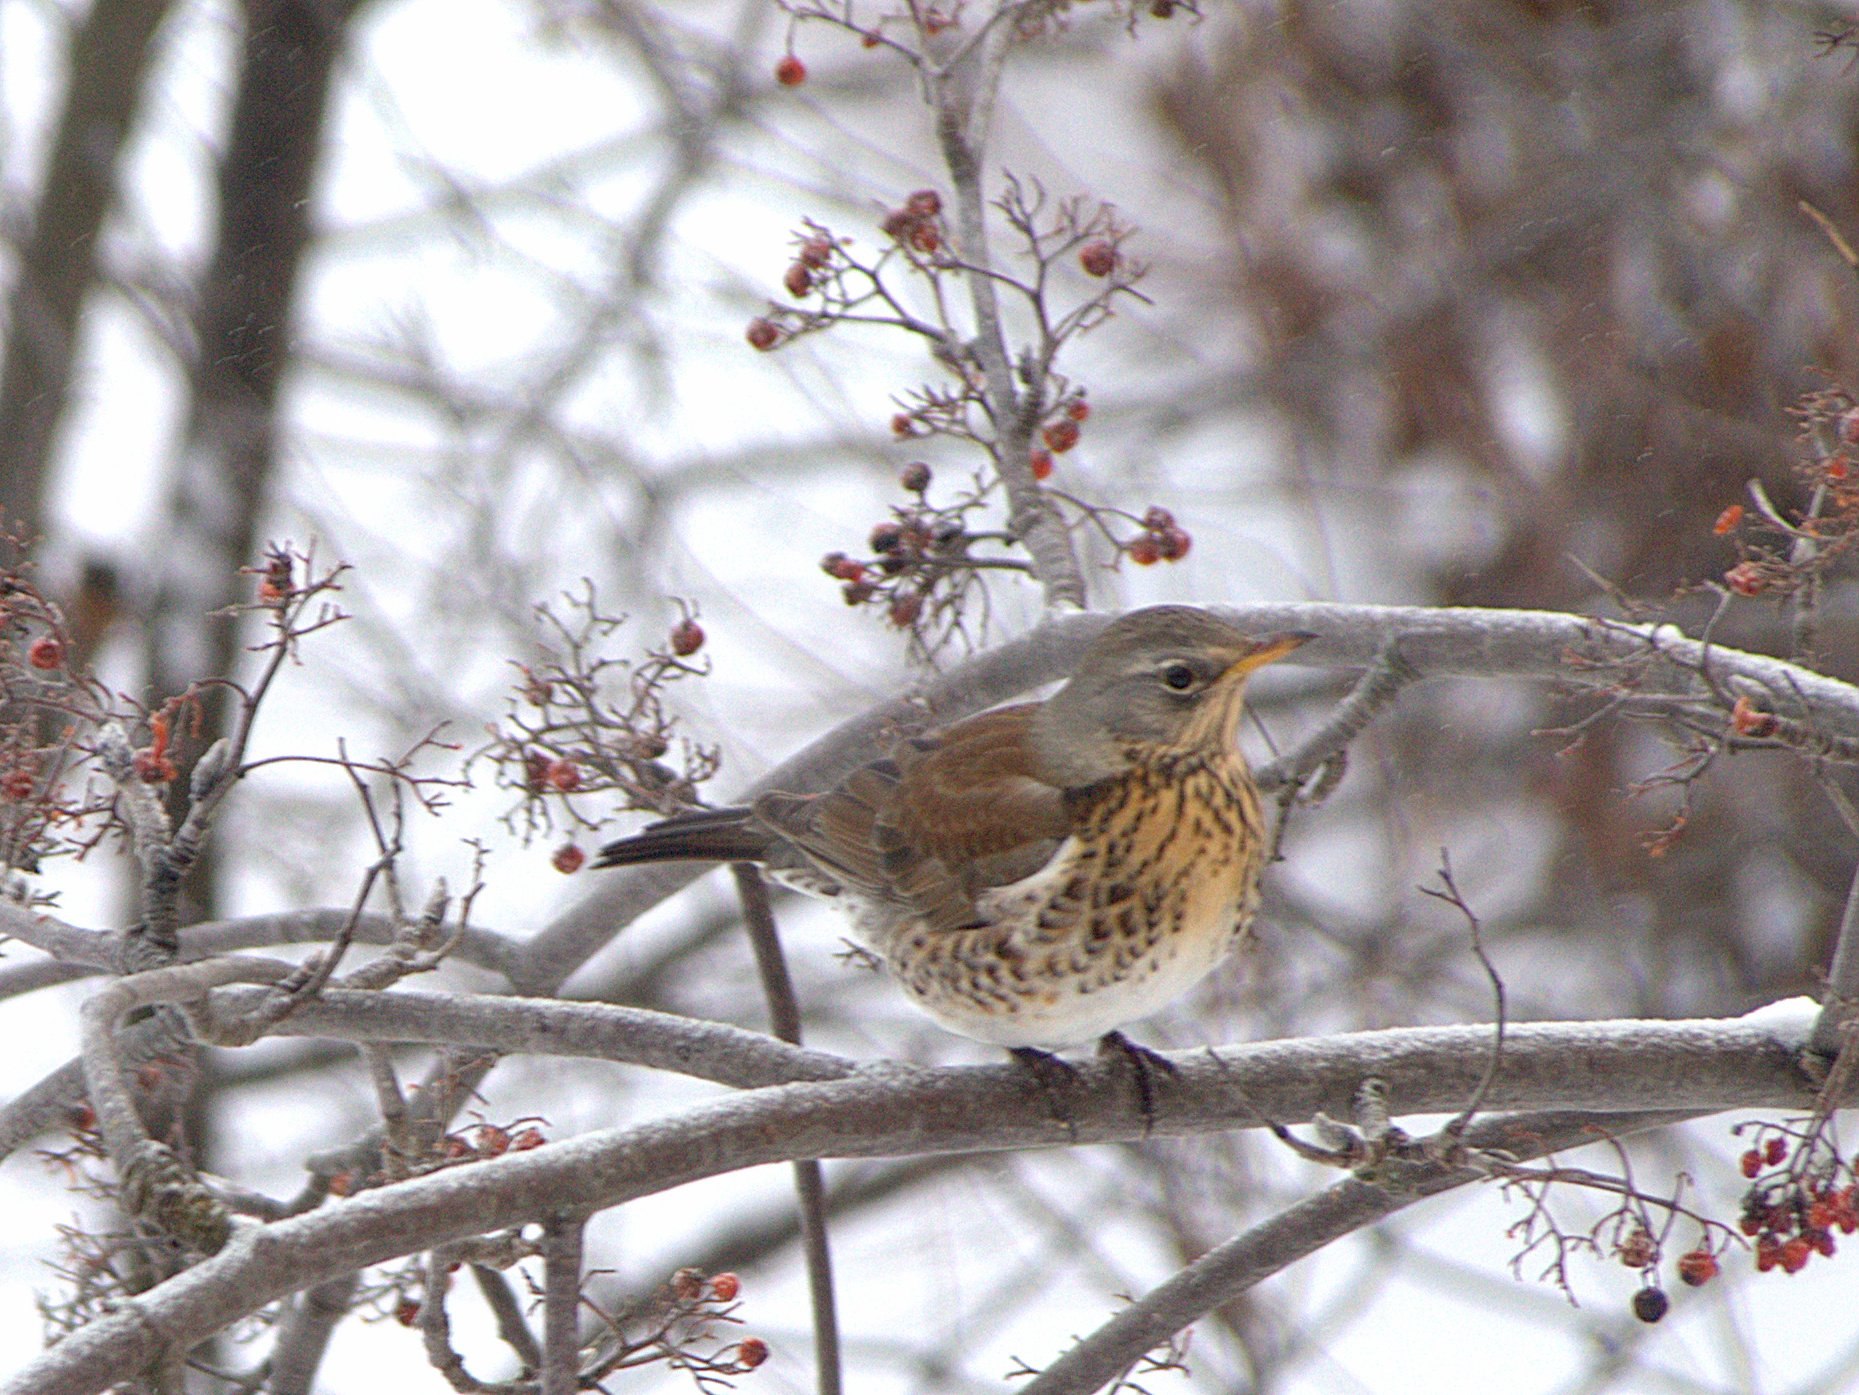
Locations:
809 1182
1456 1126
1840 998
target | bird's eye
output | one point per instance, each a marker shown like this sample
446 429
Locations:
1180 677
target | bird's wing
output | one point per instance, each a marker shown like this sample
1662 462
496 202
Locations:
946 817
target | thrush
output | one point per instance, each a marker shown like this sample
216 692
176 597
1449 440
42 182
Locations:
1036 876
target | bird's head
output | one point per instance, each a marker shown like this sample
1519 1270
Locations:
1169 676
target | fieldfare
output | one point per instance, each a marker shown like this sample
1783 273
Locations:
1036 876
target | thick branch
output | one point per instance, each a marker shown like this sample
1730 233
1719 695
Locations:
890 1111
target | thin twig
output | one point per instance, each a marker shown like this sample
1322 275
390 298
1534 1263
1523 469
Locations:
1452 897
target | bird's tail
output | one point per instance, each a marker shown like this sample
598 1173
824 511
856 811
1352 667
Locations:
703 835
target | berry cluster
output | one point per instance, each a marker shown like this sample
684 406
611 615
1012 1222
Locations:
583 723
1782 555
1161 539
919 557
1794 1214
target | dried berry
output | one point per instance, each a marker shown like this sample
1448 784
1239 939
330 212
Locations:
763 334
1774 1151
925 203
915 477
563 776
905 609
1746 719
815 252
1078 409
688 1284
1750 1163
902 425
568 859
725 1286
841 567
1098 258
887 537
687 637
858 592
751 1352
17 784
1649 1304
799 280
46 652
1041 463
925 237
1697 1268
1144 551
790 71
1637 1249
1157 519
1795 1254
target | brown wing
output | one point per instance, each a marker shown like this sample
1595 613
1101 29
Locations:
945 817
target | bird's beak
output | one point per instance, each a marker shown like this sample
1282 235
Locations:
1266 649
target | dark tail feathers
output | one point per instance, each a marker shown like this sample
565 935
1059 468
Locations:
704 835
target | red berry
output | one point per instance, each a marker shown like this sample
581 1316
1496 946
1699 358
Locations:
1822 1240
1098 258
915 477
562 775
902 425
1749 1225
1144 551
46 652
1156 519
1697 1268
687 637
799 280
407 1313
815 252
1774 1151
841 567
17 784
790 71
725 1286
1650 1304
1750 1162
153 768
1041 463
925 238
905 609
858 592
1174 544
1728 519
1745 578
762 334
1795 1254
1078 409
751 1352
1768 1253
568 859
1061 436
925 203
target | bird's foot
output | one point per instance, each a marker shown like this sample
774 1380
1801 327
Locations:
1146 1062
1057 1077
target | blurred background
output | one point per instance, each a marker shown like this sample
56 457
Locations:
1453 303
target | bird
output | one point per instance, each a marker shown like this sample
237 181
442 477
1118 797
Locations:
1036 876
